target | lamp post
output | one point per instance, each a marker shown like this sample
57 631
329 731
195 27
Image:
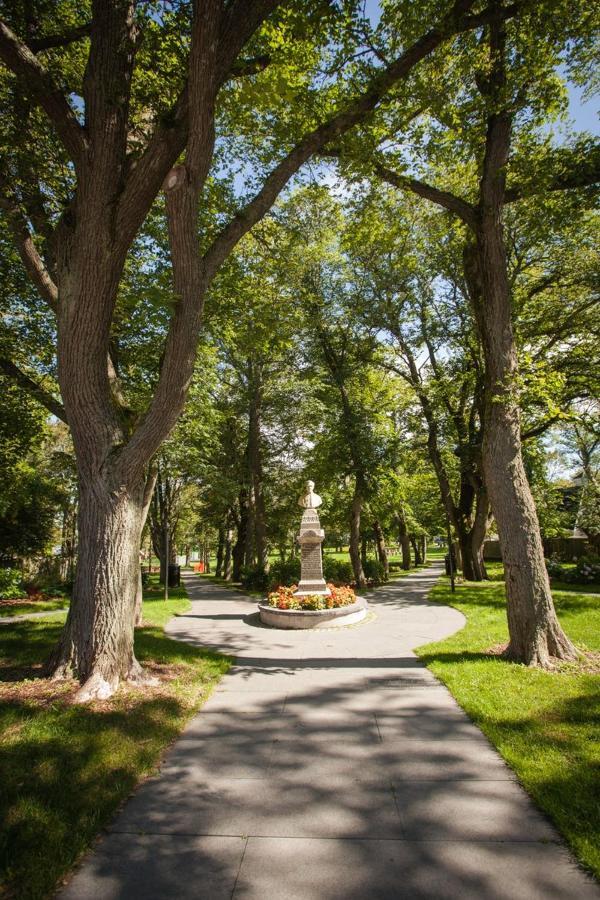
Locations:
166 527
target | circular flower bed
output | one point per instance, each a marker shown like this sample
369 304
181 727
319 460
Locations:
286 598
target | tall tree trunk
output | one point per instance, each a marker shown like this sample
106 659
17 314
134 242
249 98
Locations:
363 549
227 561
147 499
355 558
239 550
535 633
249 556
404 540
381 548
481 523
220 552
468 555
104 592
256 468
416 549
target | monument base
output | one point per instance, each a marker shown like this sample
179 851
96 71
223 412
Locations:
308 588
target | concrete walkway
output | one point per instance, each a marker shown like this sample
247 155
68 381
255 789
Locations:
25 617
329 765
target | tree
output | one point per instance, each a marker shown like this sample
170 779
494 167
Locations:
501 90
585 439
408 290
29 497
116 144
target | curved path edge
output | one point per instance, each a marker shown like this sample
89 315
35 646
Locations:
329 764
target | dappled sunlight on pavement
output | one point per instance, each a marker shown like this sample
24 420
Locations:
329 764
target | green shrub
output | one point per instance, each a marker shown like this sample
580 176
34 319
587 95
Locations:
11 587
586 571
374 571
284 573
254 578
338 571
555 569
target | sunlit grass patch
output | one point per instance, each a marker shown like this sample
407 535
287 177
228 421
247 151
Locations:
21 607
65 768
545 724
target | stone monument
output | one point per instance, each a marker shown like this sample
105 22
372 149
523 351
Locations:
310 540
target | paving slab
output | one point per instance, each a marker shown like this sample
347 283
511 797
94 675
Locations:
396 763
140 866
470 810
184 805
329 765
400 870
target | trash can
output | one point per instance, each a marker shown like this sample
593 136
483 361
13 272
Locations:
174 575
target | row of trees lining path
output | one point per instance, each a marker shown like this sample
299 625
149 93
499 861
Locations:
75 209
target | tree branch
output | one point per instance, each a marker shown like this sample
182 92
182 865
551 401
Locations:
191 279
37 45
244 67
23 62
146 174
537 430
30 257
357 111
449 201
586 174
35 390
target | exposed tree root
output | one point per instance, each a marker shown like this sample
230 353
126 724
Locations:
544 653
96 688
101 686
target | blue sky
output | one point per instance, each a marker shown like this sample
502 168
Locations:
585 116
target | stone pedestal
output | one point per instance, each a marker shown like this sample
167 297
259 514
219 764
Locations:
311 564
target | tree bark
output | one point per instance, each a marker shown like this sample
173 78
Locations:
104 592
355 542
479 531
363 549
416 549
227 561
220 552
256 468
470 557
239 549
535 633
381 548
404 540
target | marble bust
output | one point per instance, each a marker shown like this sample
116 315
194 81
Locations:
310 500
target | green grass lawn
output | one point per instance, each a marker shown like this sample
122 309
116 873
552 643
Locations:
12 608
545 724
65 768
433 553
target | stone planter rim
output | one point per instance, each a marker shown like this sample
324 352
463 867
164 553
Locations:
313 615
350 607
